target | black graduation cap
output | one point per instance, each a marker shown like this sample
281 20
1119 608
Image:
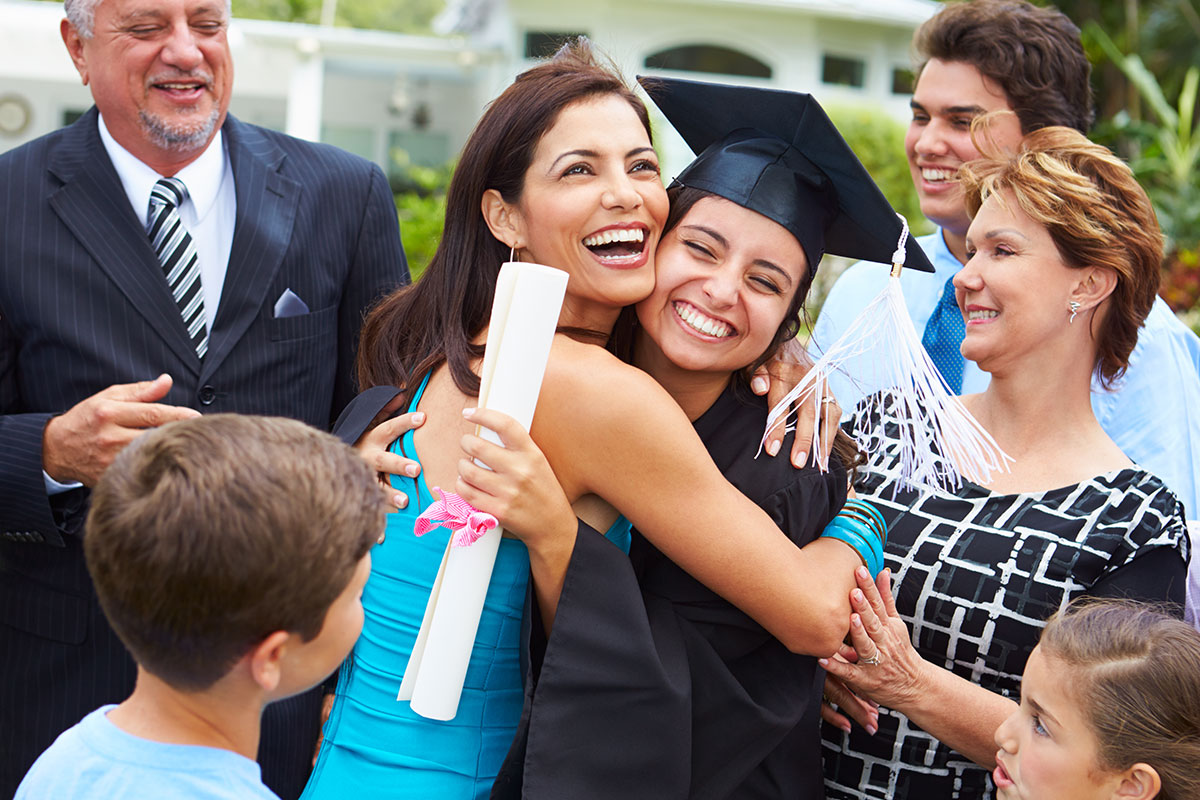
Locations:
777 153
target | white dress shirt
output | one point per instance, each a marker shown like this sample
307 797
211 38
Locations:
208 212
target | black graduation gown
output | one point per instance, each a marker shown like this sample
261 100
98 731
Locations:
651 685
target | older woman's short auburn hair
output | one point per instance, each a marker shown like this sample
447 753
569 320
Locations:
1096 213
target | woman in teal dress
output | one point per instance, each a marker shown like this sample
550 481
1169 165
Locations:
561 171
457 758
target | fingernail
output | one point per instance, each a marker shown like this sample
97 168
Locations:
824 662
411 470
759 385
856 621
800 459
468 412
400 501
862 573
858 596
773 447
845 728
418 417
871 729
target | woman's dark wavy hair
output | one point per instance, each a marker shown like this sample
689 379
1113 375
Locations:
415 329
625 334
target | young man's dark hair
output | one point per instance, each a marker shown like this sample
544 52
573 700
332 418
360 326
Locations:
1034 54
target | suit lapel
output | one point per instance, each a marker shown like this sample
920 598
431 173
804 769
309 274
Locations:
266 213
91 202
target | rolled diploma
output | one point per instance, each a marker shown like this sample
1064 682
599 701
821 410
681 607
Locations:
524 317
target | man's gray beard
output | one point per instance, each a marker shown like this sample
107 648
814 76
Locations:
178 138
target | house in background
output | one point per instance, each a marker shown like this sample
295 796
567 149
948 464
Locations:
395 98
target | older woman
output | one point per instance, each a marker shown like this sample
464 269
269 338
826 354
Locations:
1064 255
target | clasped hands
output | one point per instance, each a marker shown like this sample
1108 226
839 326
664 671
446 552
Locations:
878 665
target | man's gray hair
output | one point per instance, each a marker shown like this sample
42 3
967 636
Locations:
82 14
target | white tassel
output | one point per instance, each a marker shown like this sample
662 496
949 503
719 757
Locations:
941 443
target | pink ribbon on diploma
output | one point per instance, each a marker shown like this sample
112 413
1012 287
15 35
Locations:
467 522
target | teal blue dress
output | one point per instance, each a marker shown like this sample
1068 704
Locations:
375 746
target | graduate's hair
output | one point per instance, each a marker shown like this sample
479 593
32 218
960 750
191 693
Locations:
1034 54
206 536
413 330
624 334
1095 211
1135 675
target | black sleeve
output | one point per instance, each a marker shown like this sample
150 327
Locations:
609 714
1158 576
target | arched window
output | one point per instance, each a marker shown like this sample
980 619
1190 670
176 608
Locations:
708 58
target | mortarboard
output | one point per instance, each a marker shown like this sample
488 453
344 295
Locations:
777 153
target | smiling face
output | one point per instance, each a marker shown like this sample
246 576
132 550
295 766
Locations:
1014 289
948 96
1047 750
160 73
726 277
593 205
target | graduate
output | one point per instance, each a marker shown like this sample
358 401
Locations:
649 684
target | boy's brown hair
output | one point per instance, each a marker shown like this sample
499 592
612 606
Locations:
207 535
1033 54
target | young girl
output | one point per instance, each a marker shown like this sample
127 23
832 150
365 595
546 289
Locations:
1110 708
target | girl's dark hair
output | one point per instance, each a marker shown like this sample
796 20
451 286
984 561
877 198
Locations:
624 335
1135 674
416 328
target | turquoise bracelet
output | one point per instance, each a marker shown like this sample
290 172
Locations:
860 525
871 555
869 514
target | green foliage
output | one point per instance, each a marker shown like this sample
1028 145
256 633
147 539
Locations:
421 205
1164 153
404 16
878 141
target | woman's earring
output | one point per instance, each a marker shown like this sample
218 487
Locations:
512 250
1074 310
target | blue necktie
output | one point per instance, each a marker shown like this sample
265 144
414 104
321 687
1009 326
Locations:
943 337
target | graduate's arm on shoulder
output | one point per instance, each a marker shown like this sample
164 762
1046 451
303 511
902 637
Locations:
609 429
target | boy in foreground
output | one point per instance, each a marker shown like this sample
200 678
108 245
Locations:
229 554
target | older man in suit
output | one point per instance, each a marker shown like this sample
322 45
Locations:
158 259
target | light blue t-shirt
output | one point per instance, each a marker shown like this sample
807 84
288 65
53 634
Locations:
96 760
1153 413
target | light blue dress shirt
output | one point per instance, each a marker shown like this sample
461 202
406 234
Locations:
1153 413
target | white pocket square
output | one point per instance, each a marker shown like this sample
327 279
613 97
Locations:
289 304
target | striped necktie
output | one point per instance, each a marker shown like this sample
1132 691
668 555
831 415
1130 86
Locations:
943 338
177 253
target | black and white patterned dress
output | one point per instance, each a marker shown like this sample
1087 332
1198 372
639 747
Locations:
976 575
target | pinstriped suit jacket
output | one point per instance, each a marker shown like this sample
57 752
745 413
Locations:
83 305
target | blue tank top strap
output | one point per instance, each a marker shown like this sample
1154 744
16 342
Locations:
404 445
620 533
